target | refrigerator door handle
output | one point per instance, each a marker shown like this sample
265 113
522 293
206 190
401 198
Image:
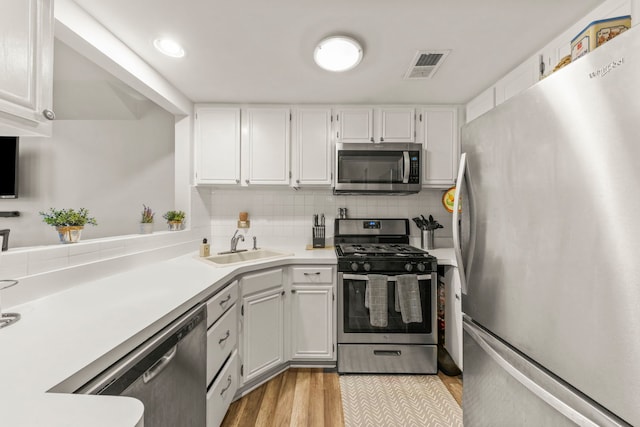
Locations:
457 244
528 378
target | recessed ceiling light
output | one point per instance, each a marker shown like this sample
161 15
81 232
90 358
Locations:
169 47
338 53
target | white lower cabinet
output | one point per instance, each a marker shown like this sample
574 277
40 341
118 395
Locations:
222 339
262 317
222 391
312 310
453 314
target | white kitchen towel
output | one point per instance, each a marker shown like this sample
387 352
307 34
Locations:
378 306
409 297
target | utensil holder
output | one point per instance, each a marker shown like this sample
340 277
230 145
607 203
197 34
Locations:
318 236
426 239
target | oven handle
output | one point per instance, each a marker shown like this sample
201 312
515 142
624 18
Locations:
389 279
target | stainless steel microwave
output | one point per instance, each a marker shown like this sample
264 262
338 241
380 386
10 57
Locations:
378 168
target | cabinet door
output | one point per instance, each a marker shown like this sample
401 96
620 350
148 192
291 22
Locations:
521 78
312 322
26 80
397 125
268 145
217 145
263 332
312 147
441 146
453 315
354 125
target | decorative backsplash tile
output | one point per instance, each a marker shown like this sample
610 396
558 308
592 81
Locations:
285 215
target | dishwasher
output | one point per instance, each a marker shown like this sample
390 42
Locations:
167 373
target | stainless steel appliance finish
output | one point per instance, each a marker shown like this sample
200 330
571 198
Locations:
550 268
380 246
378 168
167 373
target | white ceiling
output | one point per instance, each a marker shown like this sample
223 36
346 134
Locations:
262 51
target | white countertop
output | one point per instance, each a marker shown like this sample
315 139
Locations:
65 339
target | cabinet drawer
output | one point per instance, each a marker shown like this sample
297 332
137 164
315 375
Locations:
221 302
221 392
312 274
258 282
221 340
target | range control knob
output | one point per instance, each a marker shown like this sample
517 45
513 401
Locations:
354 266
367 266
408 267
421 267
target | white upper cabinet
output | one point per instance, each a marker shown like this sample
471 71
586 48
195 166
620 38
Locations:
439 130
217 137
312 148
26 80
267 149
523 77
384 124
396 125
354 125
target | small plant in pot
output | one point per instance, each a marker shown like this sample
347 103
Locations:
146 222
174 219
69 223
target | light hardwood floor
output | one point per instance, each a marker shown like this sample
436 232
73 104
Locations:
302 397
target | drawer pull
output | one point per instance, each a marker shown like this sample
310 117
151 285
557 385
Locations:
387 352
227 387
226 300
317 273
226 337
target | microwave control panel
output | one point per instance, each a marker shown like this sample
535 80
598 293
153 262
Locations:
414 167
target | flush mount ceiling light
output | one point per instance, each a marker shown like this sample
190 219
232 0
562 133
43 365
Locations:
169 47
338 53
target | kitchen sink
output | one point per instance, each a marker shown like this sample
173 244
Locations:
244 256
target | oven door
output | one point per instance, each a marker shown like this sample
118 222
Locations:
354 326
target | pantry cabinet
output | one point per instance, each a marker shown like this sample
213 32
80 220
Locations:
312 313
441 146
217 145
312 147
262 317
26 80
266 159
383 124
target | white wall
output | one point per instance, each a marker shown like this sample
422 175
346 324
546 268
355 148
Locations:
284 216
110 167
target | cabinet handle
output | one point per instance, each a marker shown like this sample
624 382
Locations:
297 181
282 293
48 114
372 139
226 300
293 291
317 273
457 297
247 181
381 139
226 337
227 387
237 181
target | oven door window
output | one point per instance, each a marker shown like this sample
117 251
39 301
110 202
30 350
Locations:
356 315
357 167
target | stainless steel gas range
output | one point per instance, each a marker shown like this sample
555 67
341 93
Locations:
386 299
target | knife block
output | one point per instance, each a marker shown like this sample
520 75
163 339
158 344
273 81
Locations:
318 236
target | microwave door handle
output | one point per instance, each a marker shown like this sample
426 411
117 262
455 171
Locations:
407 167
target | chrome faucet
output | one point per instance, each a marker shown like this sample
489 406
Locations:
234 241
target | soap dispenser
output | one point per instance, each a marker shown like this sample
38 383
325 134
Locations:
205 248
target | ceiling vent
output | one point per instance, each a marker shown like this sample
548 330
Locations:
425 64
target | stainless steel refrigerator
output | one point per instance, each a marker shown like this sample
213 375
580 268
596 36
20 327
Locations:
548 244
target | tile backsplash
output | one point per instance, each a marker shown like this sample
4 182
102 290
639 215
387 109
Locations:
281 216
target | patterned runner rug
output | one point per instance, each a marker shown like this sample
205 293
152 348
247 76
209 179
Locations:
398 400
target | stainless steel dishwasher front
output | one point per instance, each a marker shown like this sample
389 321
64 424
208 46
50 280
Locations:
167 373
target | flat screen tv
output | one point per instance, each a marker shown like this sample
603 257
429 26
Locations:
8 167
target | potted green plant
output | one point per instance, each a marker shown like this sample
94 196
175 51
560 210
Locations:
174 219
68 222
146 222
